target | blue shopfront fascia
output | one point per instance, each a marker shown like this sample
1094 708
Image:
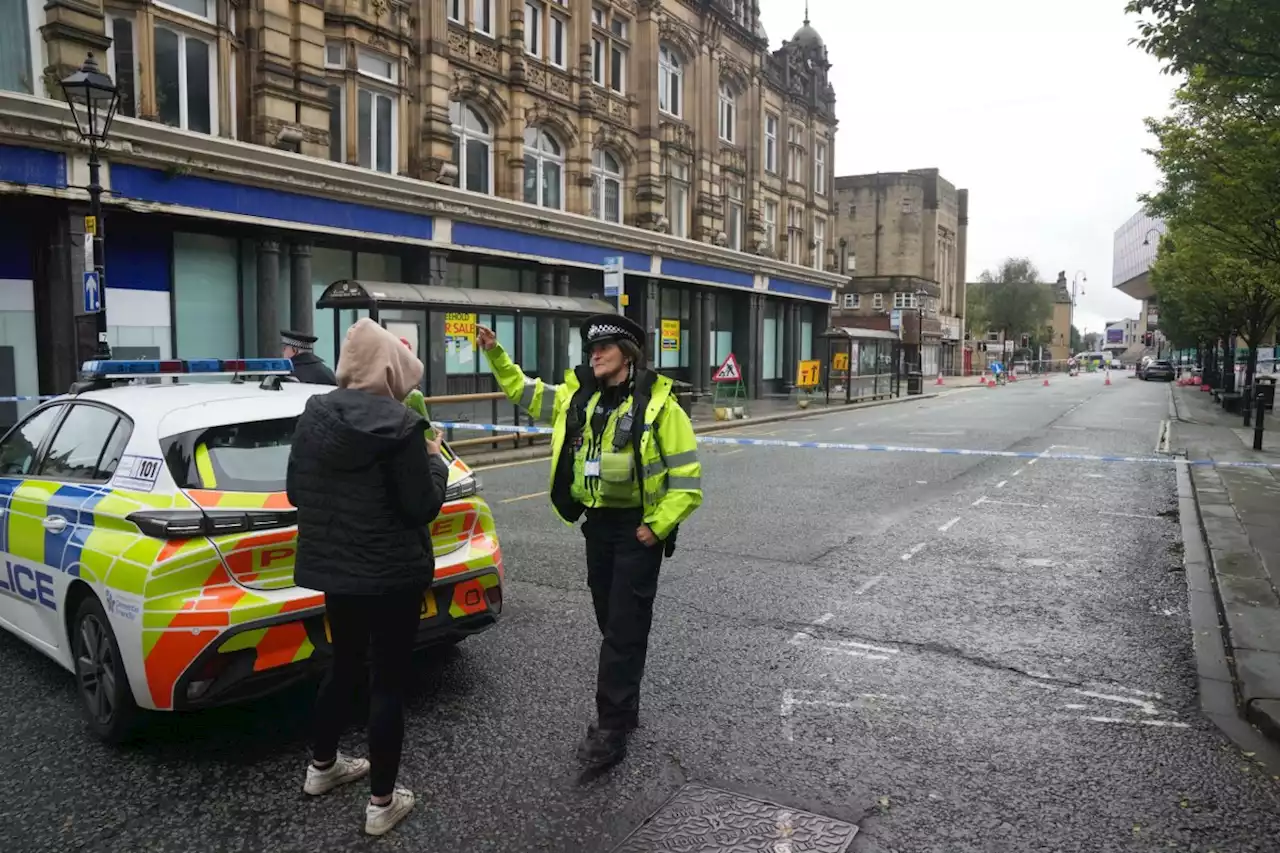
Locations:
281 202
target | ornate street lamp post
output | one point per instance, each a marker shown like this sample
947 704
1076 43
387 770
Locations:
93 98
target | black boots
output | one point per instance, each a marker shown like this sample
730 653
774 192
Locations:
603 748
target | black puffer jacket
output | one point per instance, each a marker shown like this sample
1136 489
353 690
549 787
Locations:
366 490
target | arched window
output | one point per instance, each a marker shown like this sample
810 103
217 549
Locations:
543 169
728 113
606 186
670 81
472 148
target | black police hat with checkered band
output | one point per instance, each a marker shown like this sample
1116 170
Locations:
603 328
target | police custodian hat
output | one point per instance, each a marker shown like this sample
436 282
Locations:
603 328
298 340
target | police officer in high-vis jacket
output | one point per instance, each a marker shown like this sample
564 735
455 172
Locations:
623 453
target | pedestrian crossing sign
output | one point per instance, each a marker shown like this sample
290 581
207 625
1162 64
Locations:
729 371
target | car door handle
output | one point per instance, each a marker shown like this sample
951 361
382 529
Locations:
54 523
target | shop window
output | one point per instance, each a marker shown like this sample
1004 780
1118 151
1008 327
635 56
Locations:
670 82
543 169
328 266
806 340
529 344
206 296
20 45
376 129
606 186
186 81
472 148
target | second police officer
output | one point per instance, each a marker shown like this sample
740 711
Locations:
624 454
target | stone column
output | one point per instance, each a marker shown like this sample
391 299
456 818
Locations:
562 338
268 333
790 348
697 339
754 359
546 330
302 314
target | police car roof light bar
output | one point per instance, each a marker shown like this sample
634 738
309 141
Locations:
134 369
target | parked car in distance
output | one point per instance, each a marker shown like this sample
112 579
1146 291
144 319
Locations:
1159 369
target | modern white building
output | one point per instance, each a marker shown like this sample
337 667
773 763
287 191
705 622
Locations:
1133 251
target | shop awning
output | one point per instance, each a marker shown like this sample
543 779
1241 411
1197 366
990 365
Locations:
373 295
856 334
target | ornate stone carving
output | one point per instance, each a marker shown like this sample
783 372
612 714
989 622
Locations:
555 119
680 36
678 135
733 160
735 73
619 110
458 43
559 84
536 75
470 87
487 55
608 136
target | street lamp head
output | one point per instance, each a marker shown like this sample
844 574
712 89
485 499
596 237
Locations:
93 98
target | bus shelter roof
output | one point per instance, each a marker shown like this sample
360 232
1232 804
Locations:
372 295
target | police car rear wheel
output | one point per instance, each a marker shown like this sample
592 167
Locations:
104 686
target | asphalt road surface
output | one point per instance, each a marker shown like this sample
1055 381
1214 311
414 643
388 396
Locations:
956 653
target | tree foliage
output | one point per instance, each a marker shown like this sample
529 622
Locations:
1231 42
1012 300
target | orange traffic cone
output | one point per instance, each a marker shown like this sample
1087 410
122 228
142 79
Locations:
1108 382
1046 383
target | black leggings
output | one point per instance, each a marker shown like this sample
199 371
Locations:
390 623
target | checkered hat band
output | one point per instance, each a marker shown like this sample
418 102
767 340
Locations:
604 331
297 344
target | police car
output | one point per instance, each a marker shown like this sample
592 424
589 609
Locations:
148 542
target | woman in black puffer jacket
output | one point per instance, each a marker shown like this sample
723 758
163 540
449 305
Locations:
367 484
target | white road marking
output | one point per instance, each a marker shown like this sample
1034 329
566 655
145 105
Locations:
1166 723
1131 515
867 584
913 550
947 432
950 524
1000 485
791 699
843 647
1096 476
1015 503
1039 562
922 482
1145 705
523 497
1072 428
1016 473
824 619
1034 461
980 501
837 429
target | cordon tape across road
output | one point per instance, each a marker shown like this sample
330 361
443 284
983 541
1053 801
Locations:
890 448
833 445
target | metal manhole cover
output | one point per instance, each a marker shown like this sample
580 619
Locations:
699 819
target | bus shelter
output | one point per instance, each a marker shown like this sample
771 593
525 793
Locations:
863 363
440 324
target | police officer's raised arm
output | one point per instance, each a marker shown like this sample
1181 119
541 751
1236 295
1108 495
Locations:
536 397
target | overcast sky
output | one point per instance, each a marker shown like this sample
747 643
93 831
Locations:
1035 106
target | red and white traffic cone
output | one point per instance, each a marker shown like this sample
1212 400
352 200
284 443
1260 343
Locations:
939 382
1045 384
1108 382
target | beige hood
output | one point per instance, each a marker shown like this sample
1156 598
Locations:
374 360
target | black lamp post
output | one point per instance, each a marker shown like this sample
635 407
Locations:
921 296
93 98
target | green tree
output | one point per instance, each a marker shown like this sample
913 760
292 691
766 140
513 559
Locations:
1232 42
1077 343
1014 301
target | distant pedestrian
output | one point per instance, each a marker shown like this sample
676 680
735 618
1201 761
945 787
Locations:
367 484
307 366
624 453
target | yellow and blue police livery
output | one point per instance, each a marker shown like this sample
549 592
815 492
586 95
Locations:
148 543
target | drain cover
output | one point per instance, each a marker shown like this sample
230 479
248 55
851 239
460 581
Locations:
699 819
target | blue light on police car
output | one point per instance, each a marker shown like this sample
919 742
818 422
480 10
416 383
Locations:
120 368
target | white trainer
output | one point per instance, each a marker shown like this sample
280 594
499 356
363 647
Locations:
343 770
379 820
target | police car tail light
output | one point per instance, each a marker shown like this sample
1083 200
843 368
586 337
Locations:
133 369
464 488
188 523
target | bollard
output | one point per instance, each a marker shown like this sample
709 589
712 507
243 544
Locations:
1257 423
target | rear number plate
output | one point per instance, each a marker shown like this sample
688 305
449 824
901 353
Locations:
427 611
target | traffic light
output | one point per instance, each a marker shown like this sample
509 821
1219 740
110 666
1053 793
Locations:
1148 338
1026 340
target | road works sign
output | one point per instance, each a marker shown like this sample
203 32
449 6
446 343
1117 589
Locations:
729 371
807 373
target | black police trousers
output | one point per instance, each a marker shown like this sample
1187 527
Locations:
622 573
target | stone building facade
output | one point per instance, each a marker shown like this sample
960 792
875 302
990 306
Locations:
494 144
902 234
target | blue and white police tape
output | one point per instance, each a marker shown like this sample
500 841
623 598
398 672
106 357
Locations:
28 399
891 448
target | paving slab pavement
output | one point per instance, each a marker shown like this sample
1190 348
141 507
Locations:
1237 510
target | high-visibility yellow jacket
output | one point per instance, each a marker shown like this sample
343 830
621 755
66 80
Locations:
669 487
